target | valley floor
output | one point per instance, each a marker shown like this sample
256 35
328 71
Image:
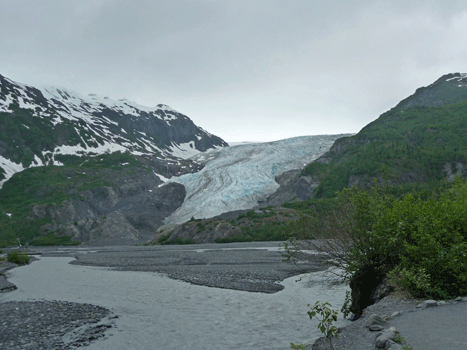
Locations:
62 321
252 267
254 303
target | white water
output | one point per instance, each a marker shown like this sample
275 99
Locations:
156 312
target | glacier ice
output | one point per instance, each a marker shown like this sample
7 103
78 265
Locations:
237 177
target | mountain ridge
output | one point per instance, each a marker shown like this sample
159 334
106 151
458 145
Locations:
46 122
417 141
89 169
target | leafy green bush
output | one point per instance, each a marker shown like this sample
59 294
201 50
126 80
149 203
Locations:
17 257
163 239
326 317
421 238
418 240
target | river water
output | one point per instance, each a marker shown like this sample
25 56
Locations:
156 312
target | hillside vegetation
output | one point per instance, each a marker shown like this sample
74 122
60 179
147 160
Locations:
50 186
415 146
99 166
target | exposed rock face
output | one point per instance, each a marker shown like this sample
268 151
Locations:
196 232
454 169
293 186
127 213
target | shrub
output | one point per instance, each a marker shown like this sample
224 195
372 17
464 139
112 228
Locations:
419 239
326 318
17 257
416 281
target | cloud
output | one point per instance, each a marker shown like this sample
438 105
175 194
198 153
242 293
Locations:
262 67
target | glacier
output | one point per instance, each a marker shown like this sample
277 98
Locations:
238 177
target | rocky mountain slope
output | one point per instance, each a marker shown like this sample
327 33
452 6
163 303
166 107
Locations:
44 126
89 169
418 142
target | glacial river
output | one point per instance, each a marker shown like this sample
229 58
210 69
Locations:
156 312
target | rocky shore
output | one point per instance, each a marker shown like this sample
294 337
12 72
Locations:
357 335
382 326
35 325
41 325
5 285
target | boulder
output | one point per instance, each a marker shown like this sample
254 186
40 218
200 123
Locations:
391 345
375 320
384 337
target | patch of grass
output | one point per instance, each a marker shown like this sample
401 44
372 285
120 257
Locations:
53 240
163 239
178 241
18 257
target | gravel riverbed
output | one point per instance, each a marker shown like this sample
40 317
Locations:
34 325
246 267
257 268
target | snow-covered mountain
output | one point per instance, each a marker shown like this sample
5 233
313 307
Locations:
40 125
117 171
238 177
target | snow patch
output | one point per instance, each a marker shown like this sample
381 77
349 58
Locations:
458 77
162 178
78 149
184 150
6 104
10 168
38 161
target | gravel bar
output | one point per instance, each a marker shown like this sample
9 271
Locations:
55 325
255 269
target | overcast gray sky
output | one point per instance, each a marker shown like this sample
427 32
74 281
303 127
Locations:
256 70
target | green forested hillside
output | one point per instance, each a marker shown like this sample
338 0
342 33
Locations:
50 186
403 146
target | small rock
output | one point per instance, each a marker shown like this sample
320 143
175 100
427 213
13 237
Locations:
440 303
395 313
458 299
384 337
375 328
375 320
464 299
430 303
391 345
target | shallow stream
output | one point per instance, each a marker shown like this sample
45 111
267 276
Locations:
156 312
